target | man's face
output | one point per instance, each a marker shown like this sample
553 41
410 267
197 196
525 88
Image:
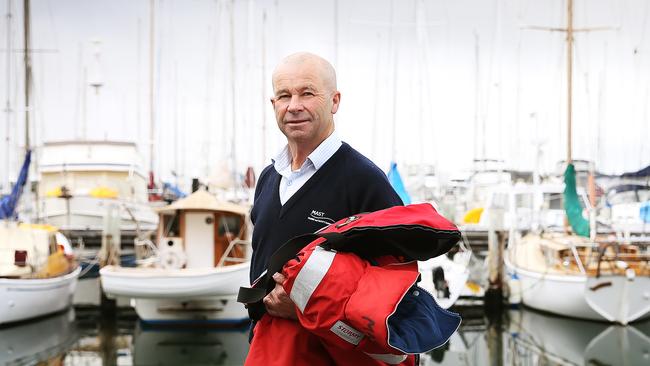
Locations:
303 103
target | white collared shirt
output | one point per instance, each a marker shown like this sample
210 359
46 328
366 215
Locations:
292 181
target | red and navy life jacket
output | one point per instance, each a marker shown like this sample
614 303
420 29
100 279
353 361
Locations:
355 287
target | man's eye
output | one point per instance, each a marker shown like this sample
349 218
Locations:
308 94
281 97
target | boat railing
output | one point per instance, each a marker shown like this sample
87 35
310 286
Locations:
578 260
148 244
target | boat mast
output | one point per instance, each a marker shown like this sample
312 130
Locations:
28 92
569 30
5 185
233 95
151 87
569 45
28 70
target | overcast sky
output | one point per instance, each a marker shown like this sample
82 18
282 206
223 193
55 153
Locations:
437 82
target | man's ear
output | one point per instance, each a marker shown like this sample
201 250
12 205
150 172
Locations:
336 99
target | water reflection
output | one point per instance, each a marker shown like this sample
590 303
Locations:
525 337
43 340
519 337
154 346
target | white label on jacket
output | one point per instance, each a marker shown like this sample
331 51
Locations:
347 332
310 276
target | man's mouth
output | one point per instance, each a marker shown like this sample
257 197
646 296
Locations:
296 121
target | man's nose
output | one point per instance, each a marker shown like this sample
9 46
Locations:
295 104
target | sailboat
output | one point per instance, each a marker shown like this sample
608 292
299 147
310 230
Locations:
38 271
194 272
580 274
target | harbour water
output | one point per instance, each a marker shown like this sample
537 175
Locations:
518 337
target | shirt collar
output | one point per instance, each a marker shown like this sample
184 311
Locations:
318 157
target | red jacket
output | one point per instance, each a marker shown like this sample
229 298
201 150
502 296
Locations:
353 311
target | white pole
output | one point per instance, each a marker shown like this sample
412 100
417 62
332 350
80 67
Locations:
5 185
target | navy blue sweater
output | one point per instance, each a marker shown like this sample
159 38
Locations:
347 184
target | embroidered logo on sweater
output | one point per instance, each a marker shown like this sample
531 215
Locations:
346 332
319 216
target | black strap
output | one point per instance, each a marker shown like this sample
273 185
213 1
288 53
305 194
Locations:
252 296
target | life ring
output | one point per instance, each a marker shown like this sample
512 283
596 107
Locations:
172 259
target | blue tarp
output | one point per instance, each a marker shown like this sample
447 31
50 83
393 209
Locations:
8 203
172 192
644 212
398 185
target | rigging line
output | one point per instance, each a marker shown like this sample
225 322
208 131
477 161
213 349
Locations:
644 24
422 43
233 87
560 79
209 80
488 97
393 49
376 98
514 147
577 50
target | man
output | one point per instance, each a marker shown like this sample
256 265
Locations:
316 179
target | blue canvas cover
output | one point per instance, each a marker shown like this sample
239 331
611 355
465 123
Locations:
8 203
645 212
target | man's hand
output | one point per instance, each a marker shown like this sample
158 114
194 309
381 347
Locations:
277 302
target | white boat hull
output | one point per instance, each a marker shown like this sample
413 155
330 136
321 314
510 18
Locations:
22 299
87 213
456 275
158 283
180 295
567 295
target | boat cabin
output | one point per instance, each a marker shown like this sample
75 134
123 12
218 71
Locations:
200 231
33 251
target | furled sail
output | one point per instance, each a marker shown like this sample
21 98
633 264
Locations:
8 203
572 206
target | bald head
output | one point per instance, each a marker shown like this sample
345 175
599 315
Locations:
305 100
322 67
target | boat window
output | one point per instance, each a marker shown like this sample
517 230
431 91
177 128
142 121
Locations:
524 200
171 225
229 225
